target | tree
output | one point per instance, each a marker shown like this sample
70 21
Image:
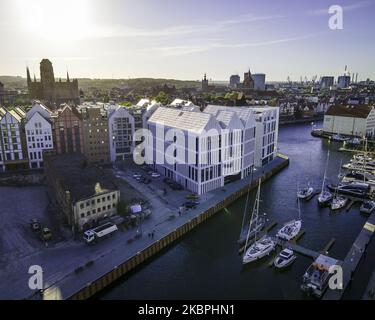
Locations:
162 98
126 104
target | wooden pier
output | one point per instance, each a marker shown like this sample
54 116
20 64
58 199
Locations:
303 250
353 258
328 246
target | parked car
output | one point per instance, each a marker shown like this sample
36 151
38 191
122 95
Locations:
137 176
192 196
155 175
191 204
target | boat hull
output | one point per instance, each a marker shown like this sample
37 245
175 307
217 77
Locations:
290 230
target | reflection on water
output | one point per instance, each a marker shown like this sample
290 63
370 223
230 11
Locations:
205 264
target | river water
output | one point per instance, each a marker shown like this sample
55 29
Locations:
205 264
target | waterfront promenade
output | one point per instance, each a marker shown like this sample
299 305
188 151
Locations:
74 270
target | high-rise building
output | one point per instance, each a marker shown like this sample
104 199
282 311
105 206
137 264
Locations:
95 133
68 130
343 82
326 82
259 81
234 81
50 91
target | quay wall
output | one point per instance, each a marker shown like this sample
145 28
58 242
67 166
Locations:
108 278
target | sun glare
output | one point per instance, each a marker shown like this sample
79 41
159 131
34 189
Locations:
57 21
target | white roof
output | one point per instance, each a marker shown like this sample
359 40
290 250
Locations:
194 122
181 102
244 113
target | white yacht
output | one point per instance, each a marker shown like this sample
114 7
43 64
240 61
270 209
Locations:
259 249
325 196
284 259
367 207
290 230
338 202
305 192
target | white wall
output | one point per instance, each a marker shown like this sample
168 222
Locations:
38 138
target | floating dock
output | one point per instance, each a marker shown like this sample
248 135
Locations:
353 258
301 249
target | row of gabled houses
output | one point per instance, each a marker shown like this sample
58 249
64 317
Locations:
101 132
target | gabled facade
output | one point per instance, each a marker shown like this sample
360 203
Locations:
12 139
39 138
68 130
121 128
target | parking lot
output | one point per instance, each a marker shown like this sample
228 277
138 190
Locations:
162 195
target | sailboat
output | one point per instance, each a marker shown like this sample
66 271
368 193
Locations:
255 225
325 196
307 192
338 201
261 247
291 229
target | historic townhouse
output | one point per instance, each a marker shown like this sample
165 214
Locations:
39 137
12 139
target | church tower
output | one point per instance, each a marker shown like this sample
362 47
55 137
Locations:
205 83
28 77
47 78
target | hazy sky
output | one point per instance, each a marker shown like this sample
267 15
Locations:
183 39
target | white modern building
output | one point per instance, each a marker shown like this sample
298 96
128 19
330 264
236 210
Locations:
266 134
259 81
12 139
38 130
351 120
218 145
121 128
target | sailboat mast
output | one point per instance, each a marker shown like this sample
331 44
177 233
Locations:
325 172
257 211
245 211
254 216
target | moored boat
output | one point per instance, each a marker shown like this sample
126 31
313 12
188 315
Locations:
285 258
316 278
305 192
259 249
338 202
367 207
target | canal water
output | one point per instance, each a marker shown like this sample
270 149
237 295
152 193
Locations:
205 264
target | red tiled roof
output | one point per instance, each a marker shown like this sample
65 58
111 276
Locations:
355 111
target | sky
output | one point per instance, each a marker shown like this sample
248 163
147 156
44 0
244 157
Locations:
185 39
